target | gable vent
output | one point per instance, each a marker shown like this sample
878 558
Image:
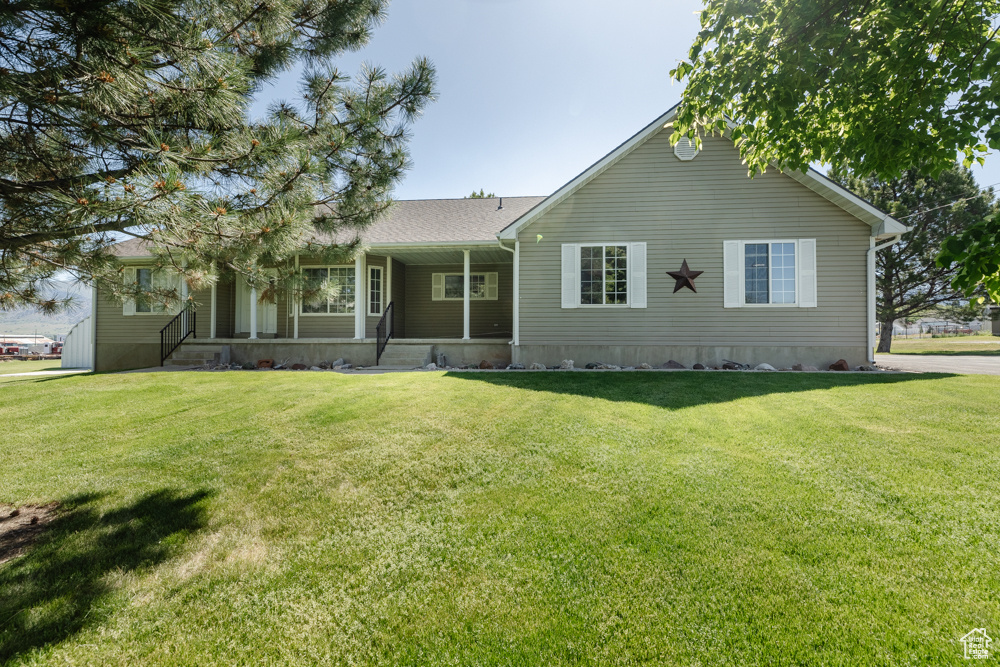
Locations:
685 149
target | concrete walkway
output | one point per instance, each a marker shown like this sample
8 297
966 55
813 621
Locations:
68 371
940 363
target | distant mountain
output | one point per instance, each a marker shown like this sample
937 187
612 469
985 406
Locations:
30 321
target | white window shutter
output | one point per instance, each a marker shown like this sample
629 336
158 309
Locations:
437 287
732 274
128 307
637 275
570 275
492 289
807 273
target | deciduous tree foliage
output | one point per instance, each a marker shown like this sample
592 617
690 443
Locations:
130 119
909 281
880 85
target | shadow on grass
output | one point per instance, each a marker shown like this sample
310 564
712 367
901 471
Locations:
55 589
683 389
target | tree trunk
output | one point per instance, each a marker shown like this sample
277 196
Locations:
885 337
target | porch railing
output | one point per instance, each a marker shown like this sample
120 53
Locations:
177 331
383 332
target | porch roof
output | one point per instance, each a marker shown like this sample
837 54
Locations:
436 225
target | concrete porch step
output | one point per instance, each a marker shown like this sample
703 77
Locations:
198 354
403 355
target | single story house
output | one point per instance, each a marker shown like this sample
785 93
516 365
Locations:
781 266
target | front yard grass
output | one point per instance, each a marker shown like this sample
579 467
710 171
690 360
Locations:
9 367
985 345
502 518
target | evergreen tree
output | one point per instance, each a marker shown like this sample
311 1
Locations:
909 280
480 195
130 119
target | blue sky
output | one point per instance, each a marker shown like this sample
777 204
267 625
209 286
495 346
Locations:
530 92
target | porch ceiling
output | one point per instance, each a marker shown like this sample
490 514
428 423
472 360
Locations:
445 255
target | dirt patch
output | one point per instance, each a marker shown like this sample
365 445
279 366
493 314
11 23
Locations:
21 526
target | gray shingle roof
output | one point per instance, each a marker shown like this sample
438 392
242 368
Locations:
446 220
422 221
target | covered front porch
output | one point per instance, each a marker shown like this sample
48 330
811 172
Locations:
454 300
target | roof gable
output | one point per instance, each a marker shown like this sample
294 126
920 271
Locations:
881 223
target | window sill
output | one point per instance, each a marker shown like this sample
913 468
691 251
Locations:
326 314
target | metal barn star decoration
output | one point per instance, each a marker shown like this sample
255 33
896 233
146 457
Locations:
685 277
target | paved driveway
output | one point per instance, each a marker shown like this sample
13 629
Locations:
940 363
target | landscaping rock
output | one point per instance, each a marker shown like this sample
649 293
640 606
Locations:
644 366
629 368
674 364
803 367
840 365
338 362
764 367
325 365
537 366
516 367
699 367
346 367
609 367
591 365
265 363
730 365
867 368
298 367
249 366
485 365
431 367
566 365
315 368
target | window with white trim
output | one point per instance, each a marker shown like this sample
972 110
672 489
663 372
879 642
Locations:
340 304
375 290
769 272
450 287
149 279
603 275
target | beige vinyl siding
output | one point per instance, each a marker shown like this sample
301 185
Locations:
685 210
443 319
225 308
399 298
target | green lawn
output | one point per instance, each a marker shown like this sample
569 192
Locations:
502 519
957 345
8 367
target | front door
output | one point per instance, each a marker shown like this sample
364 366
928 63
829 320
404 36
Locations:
267 313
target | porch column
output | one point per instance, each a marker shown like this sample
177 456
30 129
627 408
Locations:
253 313
466 282
295 303
211 325
360 294
517 292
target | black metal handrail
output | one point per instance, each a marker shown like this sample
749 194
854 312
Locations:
177 331
383 332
